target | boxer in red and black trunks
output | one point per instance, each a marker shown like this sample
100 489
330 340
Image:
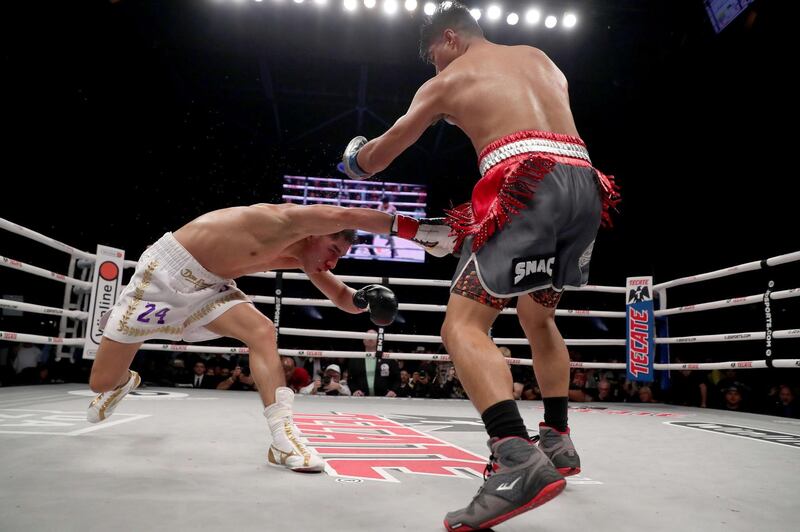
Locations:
532 221
527 233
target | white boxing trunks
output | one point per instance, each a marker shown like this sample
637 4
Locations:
170 296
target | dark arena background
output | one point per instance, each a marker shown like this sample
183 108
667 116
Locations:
125 119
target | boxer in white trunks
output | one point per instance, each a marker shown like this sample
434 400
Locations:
183 289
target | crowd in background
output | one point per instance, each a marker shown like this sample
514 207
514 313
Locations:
745 391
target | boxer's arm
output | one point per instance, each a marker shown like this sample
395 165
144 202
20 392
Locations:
339 293
424 110
328 219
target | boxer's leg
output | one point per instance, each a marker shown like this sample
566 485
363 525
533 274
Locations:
536 312
520 476
111 377
244 322
110 367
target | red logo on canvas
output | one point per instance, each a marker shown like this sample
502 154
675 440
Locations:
370 447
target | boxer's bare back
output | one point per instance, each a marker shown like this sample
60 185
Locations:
240 240
501 90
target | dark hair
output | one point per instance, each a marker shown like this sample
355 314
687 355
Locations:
448 15
385 199
348 235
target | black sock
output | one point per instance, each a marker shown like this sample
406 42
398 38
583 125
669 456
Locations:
555 412
502 419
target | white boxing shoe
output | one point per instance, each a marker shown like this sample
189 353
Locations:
104 404
288 449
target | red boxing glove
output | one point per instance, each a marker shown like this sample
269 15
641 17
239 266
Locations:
433 234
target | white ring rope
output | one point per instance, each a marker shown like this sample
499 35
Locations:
356 335
39 309
732 302
408 281
424 338
41 272
39 339
733 337
748 364
46 240
742 364
51 242
297 301
747 267
784 294
312 353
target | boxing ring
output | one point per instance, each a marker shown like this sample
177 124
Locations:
173 458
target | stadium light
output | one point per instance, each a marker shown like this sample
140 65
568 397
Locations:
390 7
533 16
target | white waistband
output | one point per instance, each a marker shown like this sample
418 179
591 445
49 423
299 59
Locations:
519 147
175 256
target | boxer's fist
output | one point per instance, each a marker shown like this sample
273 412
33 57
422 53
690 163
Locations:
433 234
380 301
350 159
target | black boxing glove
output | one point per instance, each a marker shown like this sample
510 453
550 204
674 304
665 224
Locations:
381 302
